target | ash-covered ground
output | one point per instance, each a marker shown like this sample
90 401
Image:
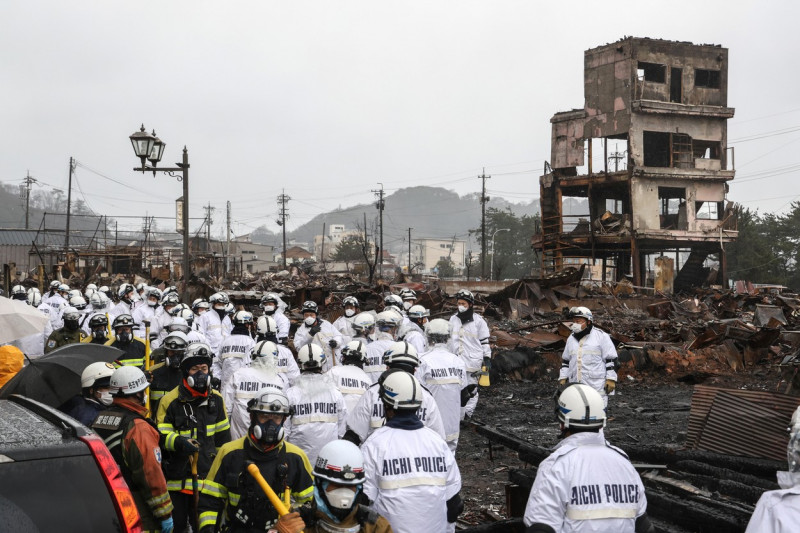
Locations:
650 409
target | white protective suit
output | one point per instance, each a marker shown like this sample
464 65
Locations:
352 382
411 473
416 338
122 308
322 339
234 353
287 365
214 328
344 325
470 341
140 314
374 366
590 361
443 373
57 304
586 485
245 384
778 511
367 415
319 414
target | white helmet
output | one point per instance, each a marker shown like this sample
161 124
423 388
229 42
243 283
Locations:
270 403
418 311
75 292
70 313
34 297
242 317
581 407
124 290
310 357
88 293
184 313
355 351
341 462
392 299
54 285
438 326
78 302
401 390
264 349
401 353
218 298
179 324
63 287
96 372
388 319
351 300
363 323
98 301
581 312
18 292
127 380
91 287
266 325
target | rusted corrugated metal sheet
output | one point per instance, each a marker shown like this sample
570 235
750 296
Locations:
740 422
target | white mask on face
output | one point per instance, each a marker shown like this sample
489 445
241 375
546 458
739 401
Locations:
575 327
407 304
462 308
349 312
105 398
269 308
341 498
310 320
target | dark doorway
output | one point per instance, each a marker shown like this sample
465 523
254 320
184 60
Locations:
676 85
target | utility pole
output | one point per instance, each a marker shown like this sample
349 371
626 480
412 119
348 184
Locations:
228 243
380 204
484 199
617 157
208 209
69 206
409 251
282 199
29 181
322 252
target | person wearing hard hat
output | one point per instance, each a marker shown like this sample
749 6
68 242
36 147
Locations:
589 356
444 374
234 351
319 331
134 445
95 393
349 376
469 339
231 494
70 333
344 322
386 324
267 330
411 475
586 484
778 511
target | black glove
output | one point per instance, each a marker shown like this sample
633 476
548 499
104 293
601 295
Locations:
332 343
216 383
187 445
351 436
313 331
454 508
307 512
148 376
467 393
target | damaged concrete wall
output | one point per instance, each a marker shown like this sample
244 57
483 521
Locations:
566 143
698 128
647 205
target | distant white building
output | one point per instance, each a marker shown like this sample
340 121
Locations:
428 252
336 233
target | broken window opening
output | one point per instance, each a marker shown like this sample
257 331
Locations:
676 85
682 156
614 206
575 214
706 149
708 210
673 208
656 148
706 78
652 72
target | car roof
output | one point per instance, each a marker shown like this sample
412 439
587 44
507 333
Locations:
31 430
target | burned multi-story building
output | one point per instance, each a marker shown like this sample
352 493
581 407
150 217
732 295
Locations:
668 102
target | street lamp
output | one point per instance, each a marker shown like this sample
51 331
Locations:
148 147
491 264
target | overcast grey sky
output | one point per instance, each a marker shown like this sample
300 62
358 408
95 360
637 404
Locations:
328 98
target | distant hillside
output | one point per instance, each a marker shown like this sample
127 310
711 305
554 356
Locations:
431 211
51 201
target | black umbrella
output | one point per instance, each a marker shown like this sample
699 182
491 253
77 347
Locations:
56 377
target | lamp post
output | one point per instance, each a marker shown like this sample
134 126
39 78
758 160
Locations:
148 147
491 265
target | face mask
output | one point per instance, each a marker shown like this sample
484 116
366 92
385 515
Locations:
341 498
349 312
151 303
575 327
106 398
269 308
406 305
310 321
71 324
462 308
198 381
99 333
175 361
124 337
268 433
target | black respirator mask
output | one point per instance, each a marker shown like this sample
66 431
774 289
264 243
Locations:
99 333
174 360
268 433
71 323
198 381
124 336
